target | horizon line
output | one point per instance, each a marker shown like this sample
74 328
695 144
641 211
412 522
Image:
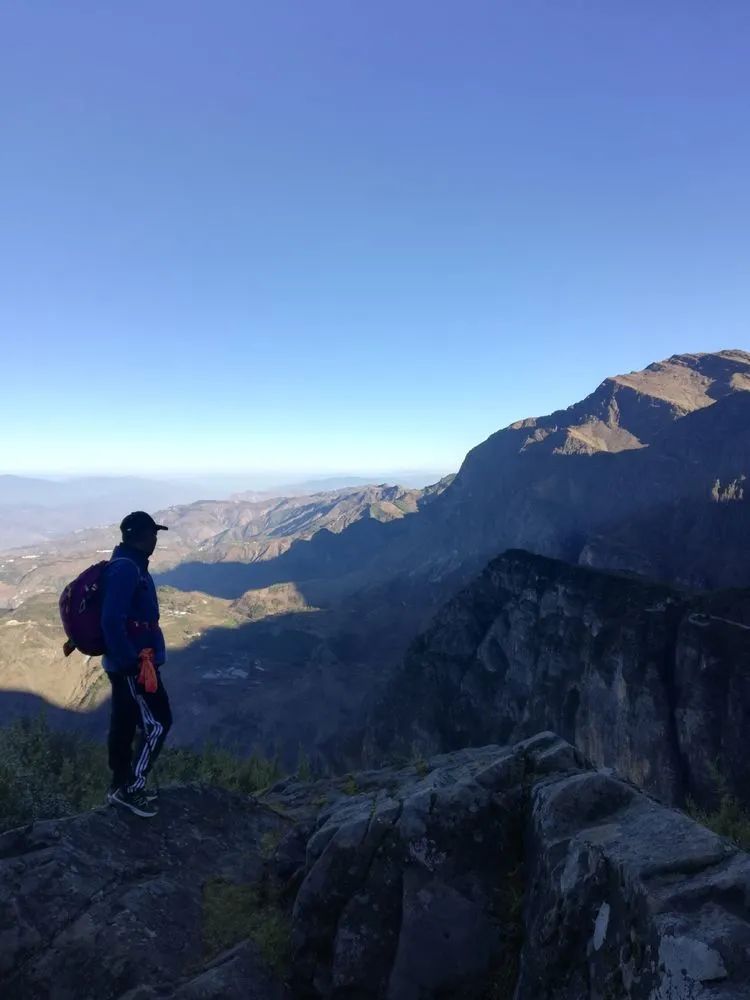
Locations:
211 474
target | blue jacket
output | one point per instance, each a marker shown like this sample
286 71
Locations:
130 612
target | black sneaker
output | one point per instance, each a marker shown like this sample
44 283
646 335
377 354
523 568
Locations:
151 795
136 802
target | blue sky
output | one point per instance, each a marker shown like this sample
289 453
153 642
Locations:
347 235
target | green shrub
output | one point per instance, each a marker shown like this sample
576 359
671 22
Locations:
350 786
730 820
216 766
232 913
419 761
45 773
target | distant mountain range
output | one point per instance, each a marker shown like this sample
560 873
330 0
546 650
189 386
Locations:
326 484
230 532
34 510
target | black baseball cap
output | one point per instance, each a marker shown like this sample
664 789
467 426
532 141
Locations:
138 523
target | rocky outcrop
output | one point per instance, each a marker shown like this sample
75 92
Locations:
643 678
629 899
107 905
520 873
516 872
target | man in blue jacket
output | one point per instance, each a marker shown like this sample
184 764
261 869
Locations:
130 623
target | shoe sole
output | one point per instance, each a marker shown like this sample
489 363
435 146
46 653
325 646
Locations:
134 809
150 798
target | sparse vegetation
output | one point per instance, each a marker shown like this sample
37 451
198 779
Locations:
269 843
232 913
350 786
503 981
419 761
216 766
45 773
304 767
730 820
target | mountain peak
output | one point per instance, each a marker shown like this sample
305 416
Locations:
690 382
630 411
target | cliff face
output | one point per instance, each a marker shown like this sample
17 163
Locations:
641 677
515 872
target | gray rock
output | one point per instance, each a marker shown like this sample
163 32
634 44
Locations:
643 678
511 873
106 903
630 899
518 873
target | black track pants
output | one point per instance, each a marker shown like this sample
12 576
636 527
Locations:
132 708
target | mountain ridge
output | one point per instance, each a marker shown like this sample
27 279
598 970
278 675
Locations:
348 603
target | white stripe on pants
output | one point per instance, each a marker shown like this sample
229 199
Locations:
152 730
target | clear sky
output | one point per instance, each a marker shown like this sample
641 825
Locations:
348 235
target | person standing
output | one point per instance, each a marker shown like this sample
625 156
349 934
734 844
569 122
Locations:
134 652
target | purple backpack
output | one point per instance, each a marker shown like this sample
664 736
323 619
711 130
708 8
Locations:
81 610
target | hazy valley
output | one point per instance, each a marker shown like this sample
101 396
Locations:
287 616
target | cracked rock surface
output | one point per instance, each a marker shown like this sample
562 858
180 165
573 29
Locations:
105 903
499 872
515 872
641 677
